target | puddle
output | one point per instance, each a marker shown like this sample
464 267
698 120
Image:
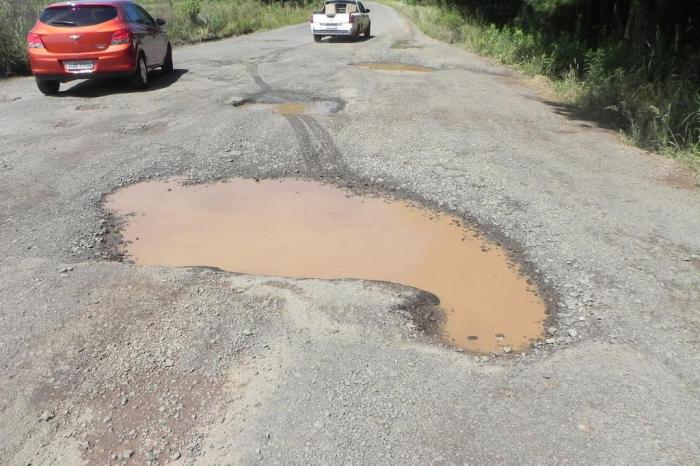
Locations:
298 228
293 108
395 67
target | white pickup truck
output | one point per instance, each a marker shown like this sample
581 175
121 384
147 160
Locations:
341 18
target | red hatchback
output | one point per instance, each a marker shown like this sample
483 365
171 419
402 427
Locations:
96 38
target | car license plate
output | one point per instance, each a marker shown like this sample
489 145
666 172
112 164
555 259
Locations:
330 26
77 66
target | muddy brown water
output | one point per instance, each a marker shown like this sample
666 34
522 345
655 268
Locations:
293 108
298 228
395 67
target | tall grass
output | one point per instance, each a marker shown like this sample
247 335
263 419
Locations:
197 20
187 21
16 18
656 109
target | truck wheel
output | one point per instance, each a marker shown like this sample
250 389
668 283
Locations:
317 38
48 87
139 80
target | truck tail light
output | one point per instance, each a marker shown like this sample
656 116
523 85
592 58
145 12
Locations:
34 41
123 36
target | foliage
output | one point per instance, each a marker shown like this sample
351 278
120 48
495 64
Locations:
16 18
635 63
192 9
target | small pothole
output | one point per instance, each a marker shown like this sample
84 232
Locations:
294 108
395 67
298 228
290 106
405 44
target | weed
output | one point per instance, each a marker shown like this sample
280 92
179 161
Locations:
638 90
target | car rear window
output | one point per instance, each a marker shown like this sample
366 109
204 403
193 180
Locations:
77 15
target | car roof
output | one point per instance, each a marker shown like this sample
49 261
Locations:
89 2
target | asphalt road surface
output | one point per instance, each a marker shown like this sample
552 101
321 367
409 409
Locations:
107 362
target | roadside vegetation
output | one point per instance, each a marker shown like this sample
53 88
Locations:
631 63
187 21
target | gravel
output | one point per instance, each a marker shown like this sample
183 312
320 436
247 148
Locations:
228 368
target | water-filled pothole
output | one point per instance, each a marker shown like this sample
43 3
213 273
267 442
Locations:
395 67
291 107
307 229
294 108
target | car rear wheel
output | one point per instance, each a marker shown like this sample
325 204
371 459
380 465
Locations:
139 80
318 37
48 86
168 63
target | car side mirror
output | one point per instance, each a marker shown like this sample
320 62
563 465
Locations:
160 22
366 10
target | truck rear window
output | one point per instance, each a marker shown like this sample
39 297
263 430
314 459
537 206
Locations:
77 15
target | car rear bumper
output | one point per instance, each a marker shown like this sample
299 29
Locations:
341 30
74 76
117 60
332 32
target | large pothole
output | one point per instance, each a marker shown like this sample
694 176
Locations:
298 228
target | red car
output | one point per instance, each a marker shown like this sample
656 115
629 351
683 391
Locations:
97 38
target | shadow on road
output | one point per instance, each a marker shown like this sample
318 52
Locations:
108 86
593 119
348 39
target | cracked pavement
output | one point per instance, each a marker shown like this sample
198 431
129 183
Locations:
105 362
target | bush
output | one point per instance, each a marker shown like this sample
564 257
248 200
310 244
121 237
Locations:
16 18
650 88
192 10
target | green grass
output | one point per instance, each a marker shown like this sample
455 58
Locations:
187 21
198 20
655 111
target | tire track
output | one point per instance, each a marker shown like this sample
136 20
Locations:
255 73
306 145
318 149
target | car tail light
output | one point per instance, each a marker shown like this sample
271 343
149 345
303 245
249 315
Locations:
123 36
34 41
352 18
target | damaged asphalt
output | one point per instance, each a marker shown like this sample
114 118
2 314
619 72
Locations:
105 362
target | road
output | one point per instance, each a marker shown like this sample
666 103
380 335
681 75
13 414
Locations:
107 362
